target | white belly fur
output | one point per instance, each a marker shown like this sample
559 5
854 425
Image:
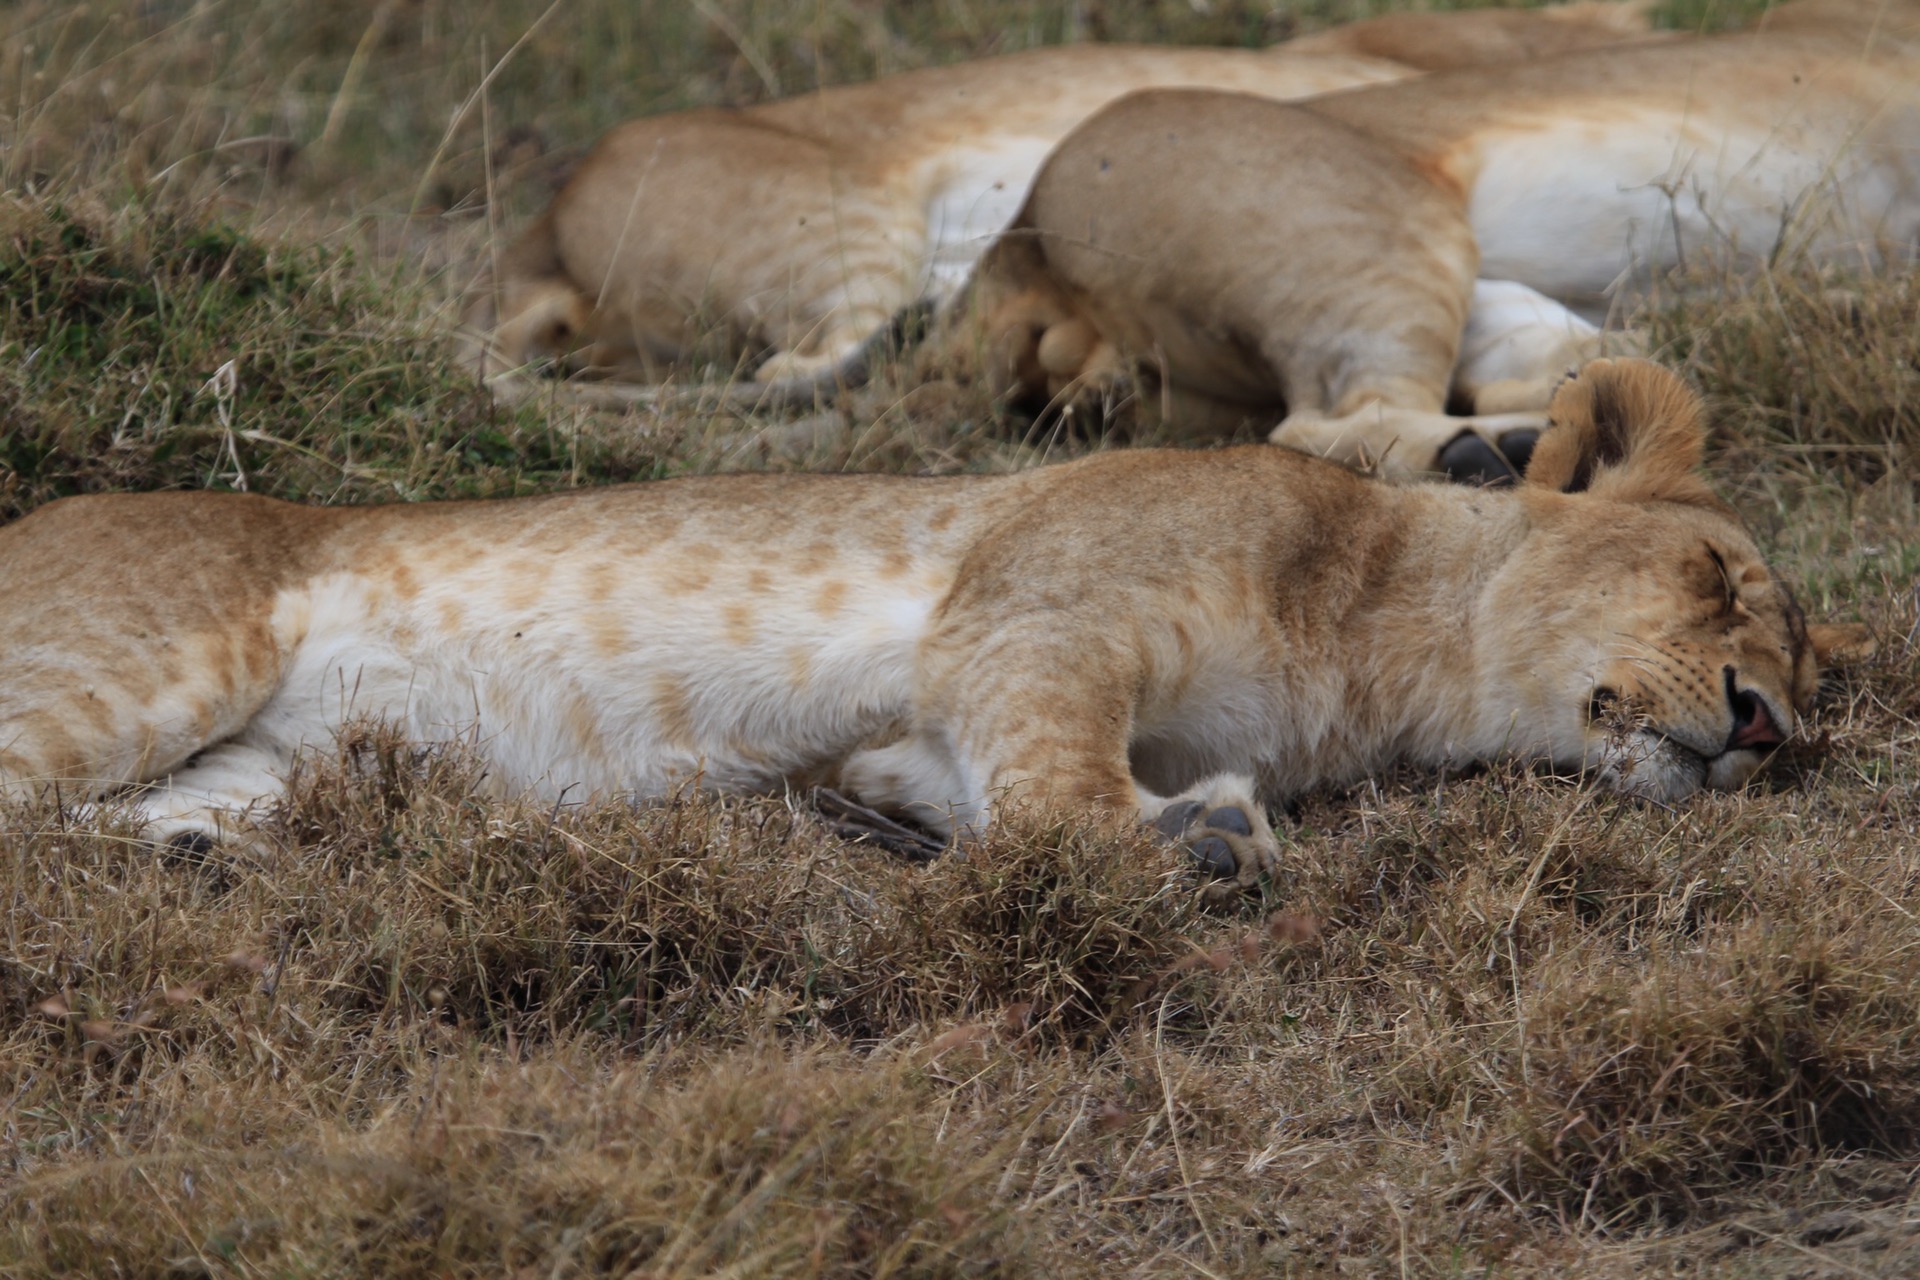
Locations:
976 195
639 694
1577 208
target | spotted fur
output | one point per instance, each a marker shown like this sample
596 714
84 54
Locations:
1130 632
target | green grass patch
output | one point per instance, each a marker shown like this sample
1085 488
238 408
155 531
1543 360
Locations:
148 349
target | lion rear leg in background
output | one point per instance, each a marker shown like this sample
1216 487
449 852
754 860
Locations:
1332 282
791 258
1517 347
1043 353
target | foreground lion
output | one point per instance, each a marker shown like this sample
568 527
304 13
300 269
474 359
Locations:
795 232
1176 636
1353 261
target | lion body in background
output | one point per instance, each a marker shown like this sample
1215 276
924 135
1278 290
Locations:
1356 261
798 230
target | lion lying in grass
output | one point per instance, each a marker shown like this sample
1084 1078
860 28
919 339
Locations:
1354 262
1178 637
795 232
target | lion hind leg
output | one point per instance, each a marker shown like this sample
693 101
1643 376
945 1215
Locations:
216 795
1409 444
917 778
1519 345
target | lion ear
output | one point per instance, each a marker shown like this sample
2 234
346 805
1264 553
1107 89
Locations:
1627 430
1839 644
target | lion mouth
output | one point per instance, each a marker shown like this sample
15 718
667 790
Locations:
1665 763
1650 764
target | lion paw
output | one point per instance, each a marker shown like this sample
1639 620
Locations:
1225 831
1470 458
792 366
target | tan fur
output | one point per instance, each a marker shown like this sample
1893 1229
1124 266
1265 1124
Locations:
791 234
1143 632
1351 261
1439 40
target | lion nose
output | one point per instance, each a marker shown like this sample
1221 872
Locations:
1753 726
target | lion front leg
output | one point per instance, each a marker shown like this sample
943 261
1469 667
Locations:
215 797
1036 717
1219 822
1223 826
1413 444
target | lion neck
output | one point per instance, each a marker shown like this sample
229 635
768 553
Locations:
1420 655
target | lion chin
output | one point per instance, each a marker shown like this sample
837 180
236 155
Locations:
1648 766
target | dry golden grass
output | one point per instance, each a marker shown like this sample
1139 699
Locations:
1485 1025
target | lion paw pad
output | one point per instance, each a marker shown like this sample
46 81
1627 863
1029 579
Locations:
1218 840
1470 460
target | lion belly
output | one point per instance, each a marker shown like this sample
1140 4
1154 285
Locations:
625 644
975 197
638 695
1575 207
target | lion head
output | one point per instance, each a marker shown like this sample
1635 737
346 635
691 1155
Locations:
1678 660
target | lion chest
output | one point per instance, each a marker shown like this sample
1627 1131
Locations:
1229 688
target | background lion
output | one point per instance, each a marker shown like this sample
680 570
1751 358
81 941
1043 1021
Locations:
1355 261
797 231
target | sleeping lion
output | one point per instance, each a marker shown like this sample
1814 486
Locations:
793 233
1177 637
1360 262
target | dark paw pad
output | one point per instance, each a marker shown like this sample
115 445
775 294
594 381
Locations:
1176 818
198 854
1230 818
1470 460
1214 856
1518 446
